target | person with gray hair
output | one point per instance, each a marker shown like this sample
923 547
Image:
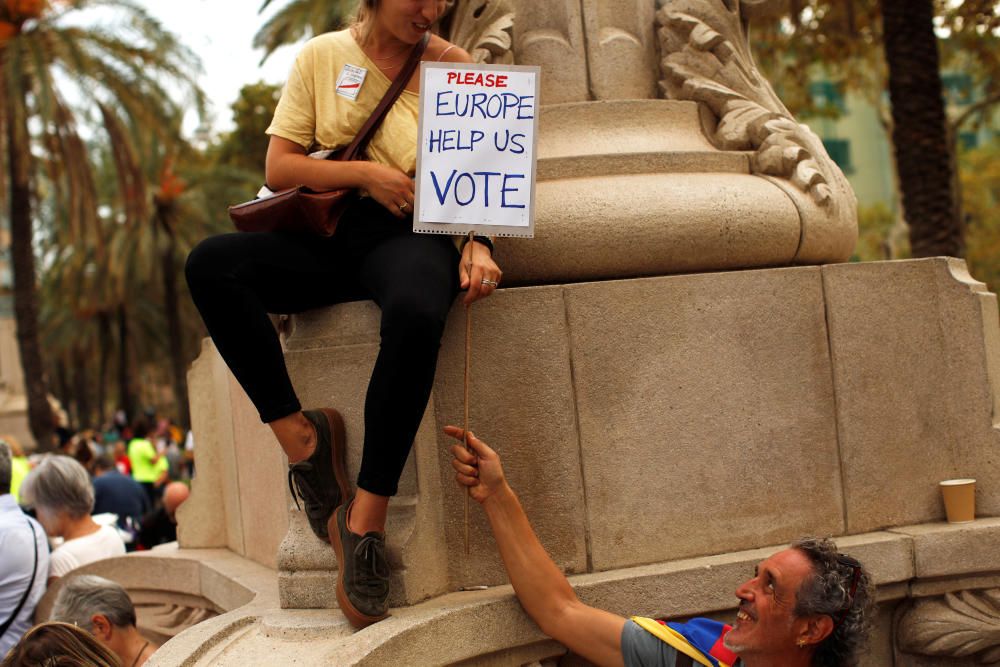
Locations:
806 606
63 497
103 608
24 561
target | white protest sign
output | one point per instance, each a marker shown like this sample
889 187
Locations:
477 153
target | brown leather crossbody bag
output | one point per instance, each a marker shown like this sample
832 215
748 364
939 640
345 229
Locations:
304 210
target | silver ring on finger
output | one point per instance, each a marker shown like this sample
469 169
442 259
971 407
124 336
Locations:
491 283
404 206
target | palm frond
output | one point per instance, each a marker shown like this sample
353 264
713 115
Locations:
131 180
301 19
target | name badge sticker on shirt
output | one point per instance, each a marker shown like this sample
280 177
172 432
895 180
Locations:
350 81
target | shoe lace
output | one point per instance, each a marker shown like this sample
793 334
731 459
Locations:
299 487
292 489
372 573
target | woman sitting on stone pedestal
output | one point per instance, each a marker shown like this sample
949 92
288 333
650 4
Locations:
237 279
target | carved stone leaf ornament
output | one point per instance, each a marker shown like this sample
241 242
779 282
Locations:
707 59
959 625
483 28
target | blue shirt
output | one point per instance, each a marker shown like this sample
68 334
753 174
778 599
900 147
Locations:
120 494
641 649
17 557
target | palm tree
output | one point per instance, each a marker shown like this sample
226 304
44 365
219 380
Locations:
920 135
131 278
114 75
70 335
301 18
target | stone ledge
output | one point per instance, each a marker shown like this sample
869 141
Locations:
480 623
888 556
707 584
935 587
948 550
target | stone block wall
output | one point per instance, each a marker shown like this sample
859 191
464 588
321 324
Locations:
648 420
664 434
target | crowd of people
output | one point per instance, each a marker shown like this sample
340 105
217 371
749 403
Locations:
99 495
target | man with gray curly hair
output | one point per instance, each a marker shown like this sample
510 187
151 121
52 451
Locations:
63 497
805 606
103 608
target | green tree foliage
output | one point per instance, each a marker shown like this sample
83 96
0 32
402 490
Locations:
971 45
980 170
132 313
246 145
129 321
125 78
842 41
878 235
299 19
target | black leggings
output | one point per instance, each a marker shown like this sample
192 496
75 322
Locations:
237 279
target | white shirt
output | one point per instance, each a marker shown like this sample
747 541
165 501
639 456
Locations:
17 557
105 543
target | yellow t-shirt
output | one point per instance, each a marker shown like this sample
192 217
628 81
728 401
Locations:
312 114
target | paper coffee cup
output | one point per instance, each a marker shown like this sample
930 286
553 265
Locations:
959 499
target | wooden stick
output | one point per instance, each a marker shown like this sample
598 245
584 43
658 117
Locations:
468 374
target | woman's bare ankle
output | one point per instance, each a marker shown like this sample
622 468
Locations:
367 513
296 435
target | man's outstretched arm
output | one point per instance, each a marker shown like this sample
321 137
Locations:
541 587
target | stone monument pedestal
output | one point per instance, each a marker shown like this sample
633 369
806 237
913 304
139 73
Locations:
670 406
664 434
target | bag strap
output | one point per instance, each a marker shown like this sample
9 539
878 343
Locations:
31 584
360 143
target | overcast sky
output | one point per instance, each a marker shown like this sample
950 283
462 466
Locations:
221 32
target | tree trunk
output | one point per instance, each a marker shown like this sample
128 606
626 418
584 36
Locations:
171 304
126 397
104 342
23 260
920 135
82 398
65 393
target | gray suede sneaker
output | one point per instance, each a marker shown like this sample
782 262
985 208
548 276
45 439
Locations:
363 577
321 480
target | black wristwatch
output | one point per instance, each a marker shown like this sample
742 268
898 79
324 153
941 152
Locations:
485 240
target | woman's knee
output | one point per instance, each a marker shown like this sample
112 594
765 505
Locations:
415 316
208 258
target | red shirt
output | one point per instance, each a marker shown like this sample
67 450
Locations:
123 465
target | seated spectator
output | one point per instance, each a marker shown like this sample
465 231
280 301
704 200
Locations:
24 561
59 645
118 494
104 609
62 495
806 605
20 467
160 526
